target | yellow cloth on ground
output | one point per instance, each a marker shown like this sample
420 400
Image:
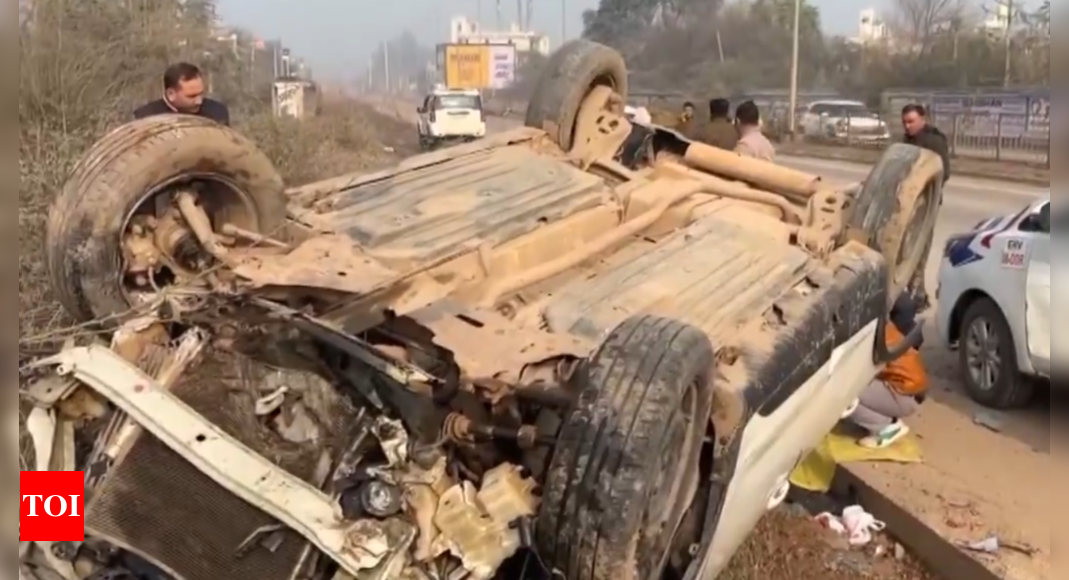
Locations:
815 472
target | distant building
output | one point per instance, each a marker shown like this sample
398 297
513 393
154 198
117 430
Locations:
466 31
871 29
997 21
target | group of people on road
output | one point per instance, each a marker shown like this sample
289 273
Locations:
741 134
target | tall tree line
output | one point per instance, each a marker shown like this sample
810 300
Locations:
735 45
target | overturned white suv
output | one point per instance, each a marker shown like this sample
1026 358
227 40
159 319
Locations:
582 349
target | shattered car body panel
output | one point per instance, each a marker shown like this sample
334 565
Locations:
471 364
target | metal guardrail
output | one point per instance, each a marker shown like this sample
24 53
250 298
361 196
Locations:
1005 138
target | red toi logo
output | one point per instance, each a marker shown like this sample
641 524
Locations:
53 505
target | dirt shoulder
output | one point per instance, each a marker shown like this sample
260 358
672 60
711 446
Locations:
788 544
977 482
982 168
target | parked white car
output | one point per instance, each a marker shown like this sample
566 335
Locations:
451 116
994 305
838 120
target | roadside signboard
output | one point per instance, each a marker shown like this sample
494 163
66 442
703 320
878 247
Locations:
502 65
477 66
467 66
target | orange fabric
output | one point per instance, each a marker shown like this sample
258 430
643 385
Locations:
905 375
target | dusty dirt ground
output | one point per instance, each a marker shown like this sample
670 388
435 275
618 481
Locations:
789 545
980 481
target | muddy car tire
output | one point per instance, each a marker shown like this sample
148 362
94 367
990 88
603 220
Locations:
86 221
629 453
896 210
570 74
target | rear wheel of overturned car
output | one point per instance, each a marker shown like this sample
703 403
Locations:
114 234
571 73
626 468
896 210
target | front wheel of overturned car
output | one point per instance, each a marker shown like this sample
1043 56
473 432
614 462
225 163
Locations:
626 467
115 232
896 210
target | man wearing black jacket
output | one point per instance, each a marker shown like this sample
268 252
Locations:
184 93
920 133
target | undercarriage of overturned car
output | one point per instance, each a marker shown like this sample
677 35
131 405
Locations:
582 349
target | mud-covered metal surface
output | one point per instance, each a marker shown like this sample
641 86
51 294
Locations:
716 275
487 197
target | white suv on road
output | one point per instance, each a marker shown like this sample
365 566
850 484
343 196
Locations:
994 304
451 116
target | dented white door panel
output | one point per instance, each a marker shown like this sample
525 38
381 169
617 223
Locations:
772 446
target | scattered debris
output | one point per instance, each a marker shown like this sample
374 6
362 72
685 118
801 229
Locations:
986 546
988 421
993 545
856 524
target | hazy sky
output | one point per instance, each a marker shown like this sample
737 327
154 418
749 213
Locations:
336 36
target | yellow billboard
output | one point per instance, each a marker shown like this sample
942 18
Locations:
467 66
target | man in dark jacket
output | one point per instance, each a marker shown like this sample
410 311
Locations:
720 132
920 133
183 93
688 124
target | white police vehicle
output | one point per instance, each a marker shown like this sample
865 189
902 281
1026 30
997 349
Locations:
994 304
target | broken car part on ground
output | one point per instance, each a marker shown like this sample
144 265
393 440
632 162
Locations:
580 347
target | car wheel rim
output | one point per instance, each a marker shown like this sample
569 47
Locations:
983 354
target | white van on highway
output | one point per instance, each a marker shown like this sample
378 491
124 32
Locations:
450 116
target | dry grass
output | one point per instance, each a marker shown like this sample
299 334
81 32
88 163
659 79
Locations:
84 65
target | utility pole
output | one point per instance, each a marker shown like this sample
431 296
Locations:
386 65
795 56
563 21
1007 78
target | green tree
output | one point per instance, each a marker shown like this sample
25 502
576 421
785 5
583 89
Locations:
618 22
